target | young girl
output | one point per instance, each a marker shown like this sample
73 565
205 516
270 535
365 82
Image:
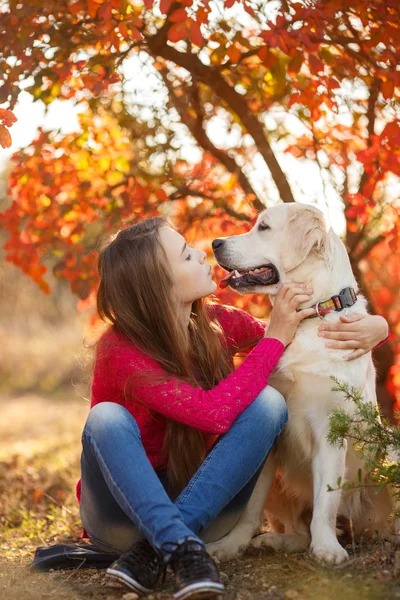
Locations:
176 438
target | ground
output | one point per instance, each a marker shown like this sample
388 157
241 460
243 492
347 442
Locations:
39 464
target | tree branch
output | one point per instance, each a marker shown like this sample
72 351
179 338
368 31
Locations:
236 103
368 247
197 130
185 191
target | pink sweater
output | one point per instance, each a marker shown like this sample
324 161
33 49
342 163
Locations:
211 411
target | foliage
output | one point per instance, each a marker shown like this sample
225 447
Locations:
7 119
375 441
182 101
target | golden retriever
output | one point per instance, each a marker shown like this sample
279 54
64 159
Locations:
292 242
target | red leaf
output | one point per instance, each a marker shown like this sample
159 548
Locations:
177 32
248 9
262 53
178 16
295 65
195 34
148 3
229 3
316 65
165 5
105 11
332 83
387 89
136 34
123 30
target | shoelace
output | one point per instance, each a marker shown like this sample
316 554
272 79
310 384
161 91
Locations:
194 561
143 554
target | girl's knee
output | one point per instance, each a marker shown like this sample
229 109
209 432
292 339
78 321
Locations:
106 417
271 408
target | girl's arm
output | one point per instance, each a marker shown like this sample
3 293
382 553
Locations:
212 411
361 333
241 330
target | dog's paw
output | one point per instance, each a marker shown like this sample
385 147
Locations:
332 553
225 549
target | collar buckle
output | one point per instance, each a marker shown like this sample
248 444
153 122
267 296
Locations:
346 298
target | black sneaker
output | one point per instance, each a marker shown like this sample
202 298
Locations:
139 568
195 571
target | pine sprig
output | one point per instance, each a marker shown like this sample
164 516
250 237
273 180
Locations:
375 441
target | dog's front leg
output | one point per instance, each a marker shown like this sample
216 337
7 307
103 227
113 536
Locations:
328 465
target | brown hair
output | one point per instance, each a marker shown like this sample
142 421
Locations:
135 296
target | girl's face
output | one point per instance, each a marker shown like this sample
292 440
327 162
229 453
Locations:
191 272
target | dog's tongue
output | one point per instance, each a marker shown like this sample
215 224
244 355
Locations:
225 281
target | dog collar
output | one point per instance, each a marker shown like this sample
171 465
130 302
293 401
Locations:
346 298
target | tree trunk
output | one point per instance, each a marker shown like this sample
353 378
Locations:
383 356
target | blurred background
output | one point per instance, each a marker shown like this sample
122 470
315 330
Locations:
205 113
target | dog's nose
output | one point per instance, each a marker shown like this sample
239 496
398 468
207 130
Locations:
217 244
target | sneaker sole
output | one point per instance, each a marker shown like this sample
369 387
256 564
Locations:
132 583
198 591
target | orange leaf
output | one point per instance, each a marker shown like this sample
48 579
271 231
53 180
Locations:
178 16
177 32
76 7
195 34
234 54
5 137
7 117
37 495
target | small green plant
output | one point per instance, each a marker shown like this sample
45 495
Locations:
375 440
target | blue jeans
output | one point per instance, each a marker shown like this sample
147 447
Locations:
124 499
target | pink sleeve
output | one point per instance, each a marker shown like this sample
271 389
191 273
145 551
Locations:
241 329
383 341
212 411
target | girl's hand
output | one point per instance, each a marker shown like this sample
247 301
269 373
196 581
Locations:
357 332
285 316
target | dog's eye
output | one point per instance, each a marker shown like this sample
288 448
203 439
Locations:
263 227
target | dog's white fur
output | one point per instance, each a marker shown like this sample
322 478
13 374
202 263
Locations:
303 248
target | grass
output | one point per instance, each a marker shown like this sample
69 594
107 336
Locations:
39 465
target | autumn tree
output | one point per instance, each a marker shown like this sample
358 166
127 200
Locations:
184 104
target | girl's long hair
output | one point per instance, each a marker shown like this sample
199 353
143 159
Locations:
136 296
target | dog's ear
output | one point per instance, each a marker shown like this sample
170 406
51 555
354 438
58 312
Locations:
305 231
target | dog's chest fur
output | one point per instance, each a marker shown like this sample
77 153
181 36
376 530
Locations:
307 359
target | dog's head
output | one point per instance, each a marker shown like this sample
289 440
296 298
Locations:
283 238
